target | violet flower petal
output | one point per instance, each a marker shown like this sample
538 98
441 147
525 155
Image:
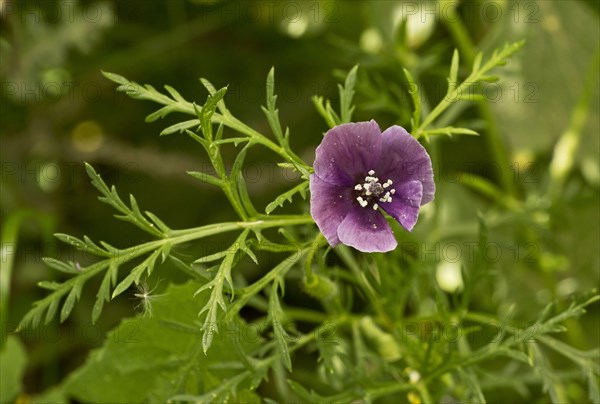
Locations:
405 203
347 152
366 230
404 159
329 205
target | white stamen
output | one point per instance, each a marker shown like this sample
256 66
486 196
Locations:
362 202
386 198
371 190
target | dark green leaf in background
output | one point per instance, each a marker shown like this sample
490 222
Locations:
153 359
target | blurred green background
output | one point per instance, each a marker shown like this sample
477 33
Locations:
57 111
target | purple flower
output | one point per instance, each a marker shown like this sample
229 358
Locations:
360 172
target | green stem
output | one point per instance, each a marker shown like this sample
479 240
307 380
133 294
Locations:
318 241
346 255
226 118
180 236
248 292
235 124
457 29
174 237
305 315
234 199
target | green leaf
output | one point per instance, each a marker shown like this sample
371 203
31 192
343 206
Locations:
332 113
489 79
575 309
13 360
235 140
477 61
174 93
242 191
212 257
453 77
287 196
471 97
323 111
156 360
449 130
271 111
134 276
215 97
52 310
71 287
346 95
159 223
469 379
185 268
247 293
50 285
158 248
304 394
490 190
180 127
112 198
160 113
276 316
221 280
208 109
82 245
455 93
413 91
148 92
60 266
551 382
103 294
237 183
222 393
209 179
583 359
271 97
115 77
72 297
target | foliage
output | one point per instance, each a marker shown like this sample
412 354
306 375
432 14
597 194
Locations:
372 353
487 300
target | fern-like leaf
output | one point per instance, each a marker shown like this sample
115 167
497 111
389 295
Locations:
287 196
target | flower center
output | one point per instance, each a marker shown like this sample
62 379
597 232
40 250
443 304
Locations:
372 191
